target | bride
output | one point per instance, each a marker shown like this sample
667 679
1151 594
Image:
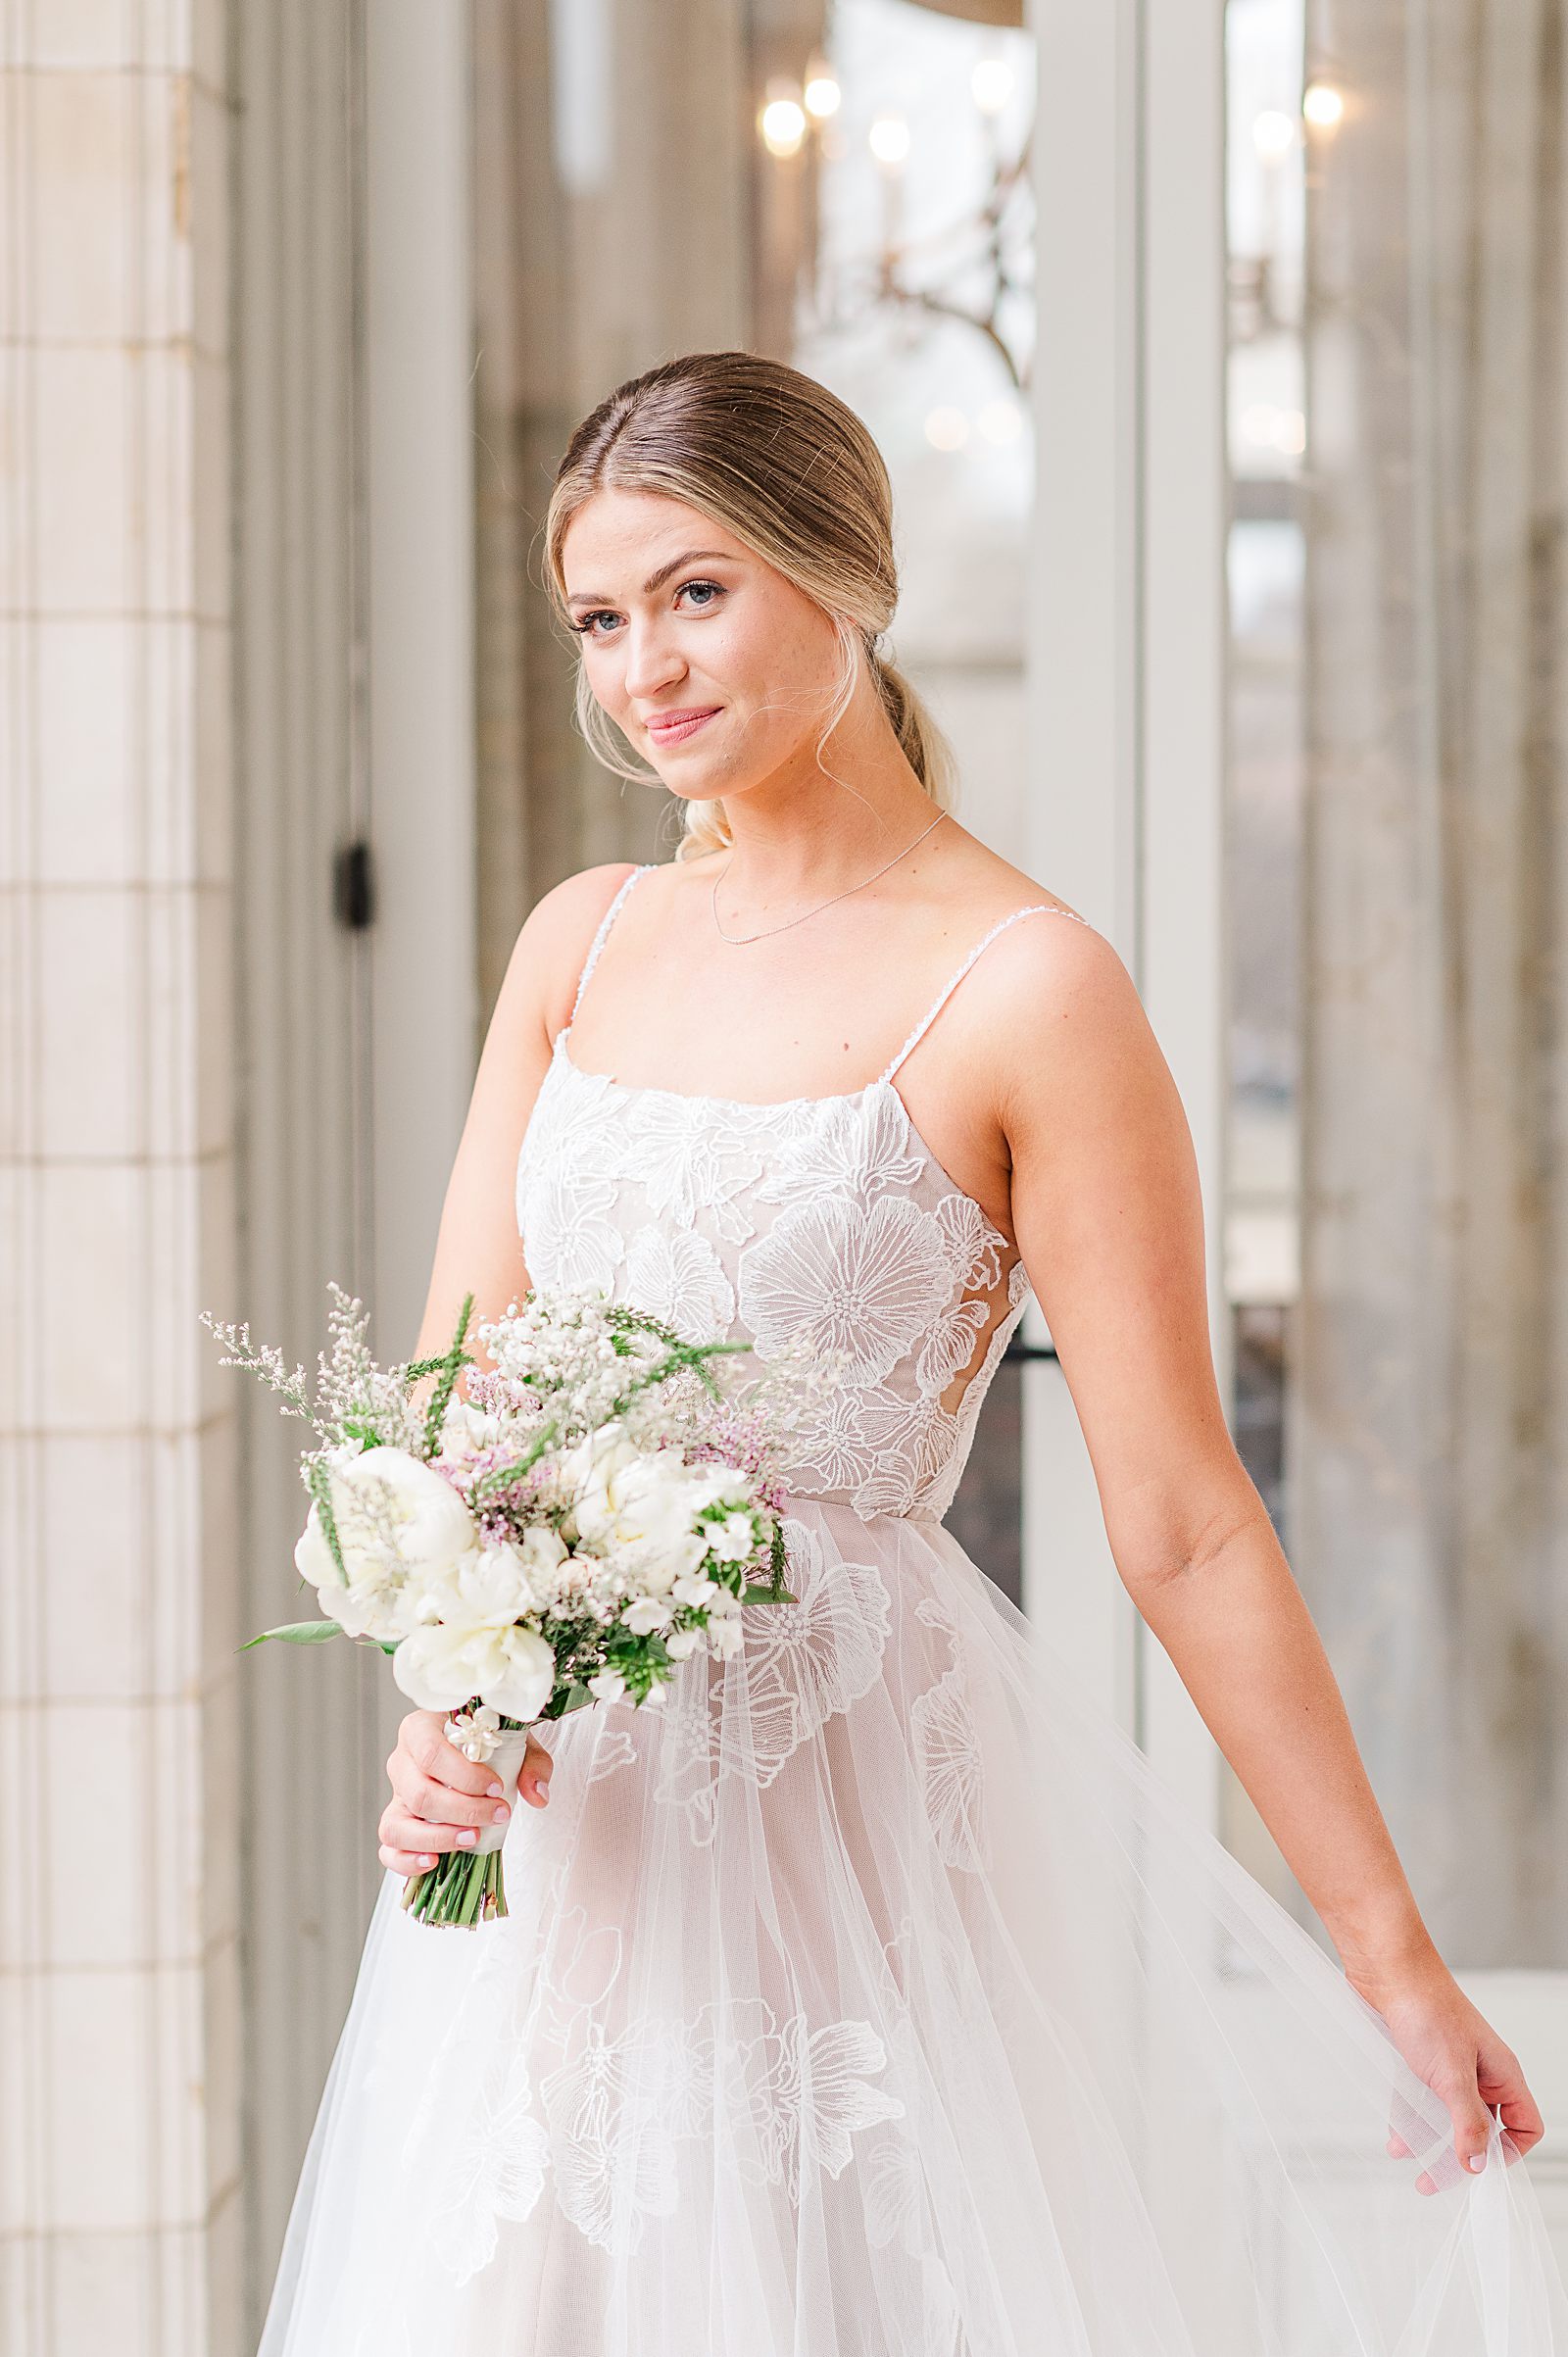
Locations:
871 1994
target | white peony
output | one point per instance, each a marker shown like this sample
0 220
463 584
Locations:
393 1515
490 1586
510 1669
369 1605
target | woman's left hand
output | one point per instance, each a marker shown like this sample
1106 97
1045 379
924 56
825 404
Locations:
1453 2050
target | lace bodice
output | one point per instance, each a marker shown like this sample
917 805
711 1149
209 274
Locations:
826 1218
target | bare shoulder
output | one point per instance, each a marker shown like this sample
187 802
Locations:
556 937
1050 1012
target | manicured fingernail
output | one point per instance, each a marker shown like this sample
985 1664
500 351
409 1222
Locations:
427 1862
1477 2161
468 1840
496 1791
499 1816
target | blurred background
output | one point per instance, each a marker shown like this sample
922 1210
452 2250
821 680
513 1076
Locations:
1219 355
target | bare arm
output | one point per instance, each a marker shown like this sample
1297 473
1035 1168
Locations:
439 1798
477 1245
1108 1217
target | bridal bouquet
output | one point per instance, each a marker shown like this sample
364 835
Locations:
595 1509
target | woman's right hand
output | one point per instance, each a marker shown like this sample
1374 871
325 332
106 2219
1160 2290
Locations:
440 1799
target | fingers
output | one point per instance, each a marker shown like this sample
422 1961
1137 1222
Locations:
533 1781
406 1861
438 1804
1503 2083
422 1742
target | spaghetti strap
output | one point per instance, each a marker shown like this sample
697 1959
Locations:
600 937
1035 909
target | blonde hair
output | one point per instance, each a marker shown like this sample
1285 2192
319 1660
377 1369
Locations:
791 471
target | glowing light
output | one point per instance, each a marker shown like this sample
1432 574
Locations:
947 428
889 138
1273 136
1323 106
991 84
822 93
1000 421
783 127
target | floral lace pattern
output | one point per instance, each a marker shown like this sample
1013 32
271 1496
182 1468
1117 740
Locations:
823 1218
612 2108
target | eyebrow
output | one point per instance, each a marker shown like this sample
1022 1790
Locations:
693 555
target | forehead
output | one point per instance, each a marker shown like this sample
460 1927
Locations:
630 529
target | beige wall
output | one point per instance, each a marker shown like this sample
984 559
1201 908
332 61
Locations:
118 2017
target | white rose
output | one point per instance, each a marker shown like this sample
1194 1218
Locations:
647 1613
608 1686
510 1669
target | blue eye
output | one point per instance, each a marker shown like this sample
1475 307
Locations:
585 625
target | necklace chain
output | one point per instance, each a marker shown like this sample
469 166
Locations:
739 940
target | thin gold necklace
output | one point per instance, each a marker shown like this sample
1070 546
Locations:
739 940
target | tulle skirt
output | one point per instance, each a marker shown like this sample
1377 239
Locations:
872 1995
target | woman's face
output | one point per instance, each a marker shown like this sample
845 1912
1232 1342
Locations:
716 667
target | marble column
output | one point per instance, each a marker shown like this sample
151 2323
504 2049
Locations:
119 1956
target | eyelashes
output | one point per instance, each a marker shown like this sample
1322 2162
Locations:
584 627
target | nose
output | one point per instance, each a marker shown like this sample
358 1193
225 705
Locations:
652 660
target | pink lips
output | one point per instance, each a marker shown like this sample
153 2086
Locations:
672 728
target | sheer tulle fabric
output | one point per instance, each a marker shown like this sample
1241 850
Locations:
872 1995
869 1996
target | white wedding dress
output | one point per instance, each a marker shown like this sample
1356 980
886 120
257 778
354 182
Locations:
869 1996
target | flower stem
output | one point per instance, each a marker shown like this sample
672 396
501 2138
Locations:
465 1888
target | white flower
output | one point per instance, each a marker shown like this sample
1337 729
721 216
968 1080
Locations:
638 1507
512 1669
490 1586
694 1587
732 1540
394 1518
725 1634
467 1431
647 1613
607 1686
681 1642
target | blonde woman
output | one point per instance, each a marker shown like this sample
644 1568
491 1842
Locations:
870 1995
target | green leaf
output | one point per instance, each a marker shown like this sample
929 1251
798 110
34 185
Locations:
455 1356
297 1631
764 1592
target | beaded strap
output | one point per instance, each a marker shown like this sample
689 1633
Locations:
600 937
1036 909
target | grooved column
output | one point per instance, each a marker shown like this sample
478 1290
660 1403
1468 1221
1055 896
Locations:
118 2019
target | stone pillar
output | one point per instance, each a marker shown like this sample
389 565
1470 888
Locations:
119 1953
